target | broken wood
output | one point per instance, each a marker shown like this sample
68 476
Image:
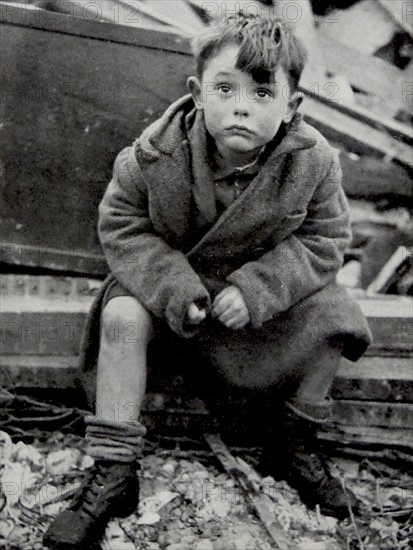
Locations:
366 73
360 113
381 281
353 134
258 500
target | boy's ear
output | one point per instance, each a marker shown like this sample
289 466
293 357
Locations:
195 89
293 105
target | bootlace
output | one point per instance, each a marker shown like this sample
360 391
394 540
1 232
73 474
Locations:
311 465
93 488
317 464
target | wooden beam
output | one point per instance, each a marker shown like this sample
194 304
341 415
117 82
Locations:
242 474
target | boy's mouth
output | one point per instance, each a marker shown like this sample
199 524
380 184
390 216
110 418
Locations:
239 129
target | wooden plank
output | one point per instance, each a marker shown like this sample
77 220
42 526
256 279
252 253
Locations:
375 379
358 112
22 16
400 11
380 379
176 13
354 134
356 435
390 350
380 283
366 73
242 475
363 25
379 368
38 326
390 319
372 413
109 11
39 371
392 330
59 259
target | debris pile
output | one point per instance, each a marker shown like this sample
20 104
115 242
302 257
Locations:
188 503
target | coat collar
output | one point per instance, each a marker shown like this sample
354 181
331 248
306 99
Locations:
163 152
168 132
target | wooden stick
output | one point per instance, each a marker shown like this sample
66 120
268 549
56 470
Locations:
239 472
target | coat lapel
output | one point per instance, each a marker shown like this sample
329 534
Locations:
203 192
169 192
162 153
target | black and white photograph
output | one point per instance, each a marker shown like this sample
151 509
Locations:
206 275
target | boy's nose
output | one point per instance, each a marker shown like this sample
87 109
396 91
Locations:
241 111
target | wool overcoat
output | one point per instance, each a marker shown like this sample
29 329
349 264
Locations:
281 243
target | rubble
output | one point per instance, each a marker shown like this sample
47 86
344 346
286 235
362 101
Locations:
186 504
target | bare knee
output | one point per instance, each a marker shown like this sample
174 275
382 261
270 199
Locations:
125 320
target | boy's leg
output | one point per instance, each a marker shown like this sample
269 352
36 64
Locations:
114 434
316 382
292 451
121 377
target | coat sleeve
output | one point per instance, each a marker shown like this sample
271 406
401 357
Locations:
306 260
159 276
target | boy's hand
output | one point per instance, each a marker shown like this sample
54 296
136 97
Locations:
195 315
230 308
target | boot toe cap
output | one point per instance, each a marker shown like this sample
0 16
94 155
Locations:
68 530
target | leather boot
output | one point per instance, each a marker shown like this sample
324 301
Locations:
111 491
293 454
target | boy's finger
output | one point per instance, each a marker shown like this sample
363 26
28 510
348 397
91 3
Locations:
227 316
237 321
223 293
201 314
221 307
195 314
237 326
192 311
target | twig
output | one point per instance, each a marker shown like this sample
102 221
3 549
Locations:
353 521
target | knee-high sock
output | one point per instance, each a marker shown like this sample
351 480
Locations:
114 441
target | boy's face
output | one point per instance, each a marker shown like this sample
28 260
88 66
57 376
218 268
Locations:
242 115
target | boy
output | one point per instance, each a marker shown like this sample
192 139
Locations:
226 222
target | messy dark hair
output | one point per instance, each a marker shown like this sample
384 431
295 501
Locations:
264 44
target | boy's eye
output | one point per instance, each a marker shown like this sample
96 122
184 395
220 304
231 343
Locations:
224 88
263 93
